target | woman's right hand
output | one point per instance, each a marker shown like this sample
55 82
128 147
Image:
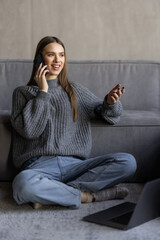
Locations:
40 78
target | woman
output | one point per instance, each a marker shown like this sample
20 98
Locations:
52 137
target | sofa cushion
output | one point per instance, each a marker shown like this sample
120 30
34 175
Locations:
140 79
135 118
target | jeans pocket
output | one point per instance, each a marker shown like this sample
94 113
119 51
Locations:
27 164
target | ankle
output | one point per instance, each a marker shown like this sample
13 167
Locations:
86 197
83 197
36 206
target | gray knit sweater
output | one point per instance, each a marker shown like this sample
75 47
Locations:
43 122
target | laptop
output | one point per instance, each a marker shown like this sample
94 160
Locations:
128 215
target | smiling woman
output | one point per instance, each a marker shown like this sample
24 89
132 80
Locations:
52 137
54 58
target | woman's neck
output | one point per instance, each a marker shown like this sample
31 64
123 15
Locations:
53 83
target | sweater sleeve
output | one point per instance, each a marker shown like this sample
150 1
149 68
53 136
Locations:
111 112
97 108
30 112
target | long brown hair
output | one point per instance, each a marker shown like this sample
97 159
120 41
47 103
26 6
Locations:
62 77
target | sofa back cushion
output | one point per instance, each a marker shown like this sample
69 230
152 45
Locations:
141 80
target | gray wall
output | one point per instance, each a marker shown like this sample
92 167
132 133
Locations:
90 29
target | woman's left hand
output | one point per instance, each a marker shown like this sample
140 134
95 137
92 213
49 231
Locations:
115 94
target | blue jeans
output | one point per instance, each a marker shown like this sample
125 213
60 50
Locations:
60 180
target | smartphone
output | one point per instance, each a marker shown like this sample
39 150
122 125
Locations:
38 61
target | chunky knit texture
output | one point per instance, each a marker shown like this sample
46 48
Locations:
43 122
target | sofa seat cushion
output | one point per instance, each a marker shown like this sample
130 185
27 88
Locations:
140 117
134 118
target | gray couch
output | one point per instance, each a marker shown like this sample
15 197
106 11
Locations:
138 131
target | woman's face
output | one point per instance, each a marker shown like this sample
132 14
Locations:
54 58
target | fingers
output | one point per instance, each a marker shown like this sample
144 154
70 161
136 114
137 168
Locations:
40 78
123 90
118 91
41 71
45 72
115 94
116 87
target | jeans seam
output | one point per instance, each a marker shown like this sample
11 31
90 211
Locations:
61 169
67 188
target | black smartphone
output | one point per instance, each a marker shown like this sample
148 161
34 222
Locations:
38 61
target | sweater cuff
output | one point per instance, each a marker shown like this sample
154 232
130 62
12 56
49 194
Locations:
112 109
45 96
107 105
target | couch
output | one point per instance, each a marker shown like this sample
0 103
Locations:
138 131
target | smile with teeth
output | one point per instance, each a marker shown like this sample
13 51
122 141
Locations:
55 66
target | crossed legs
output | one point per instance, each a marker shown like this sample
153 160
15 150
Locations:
36 186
